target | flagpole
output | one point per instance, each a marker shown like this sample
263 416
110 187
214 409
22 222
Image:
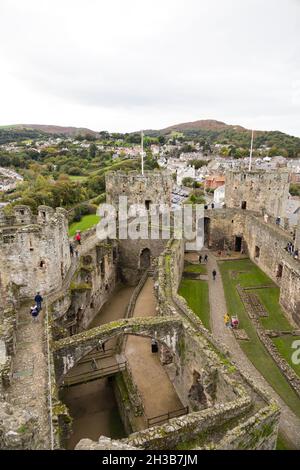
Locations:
251 151
142 145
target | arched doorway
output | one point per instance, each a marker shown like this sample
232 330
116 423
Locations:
145 258
206 231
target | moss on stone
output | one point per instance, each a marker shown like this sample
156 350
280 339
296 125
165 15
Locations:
22 429
80 287
181 348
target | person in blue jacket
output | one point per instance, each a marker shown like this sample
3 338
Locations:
38 300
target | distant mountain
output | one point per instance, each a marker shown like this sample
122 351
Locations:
20 132
208 131
204 124
57 130
216 132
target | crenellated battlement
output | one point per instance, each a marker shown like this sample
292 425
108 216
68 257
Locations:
23 215
34 249
153 187
258 191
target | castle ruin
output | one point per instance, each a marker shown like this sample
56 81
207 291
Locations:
218 405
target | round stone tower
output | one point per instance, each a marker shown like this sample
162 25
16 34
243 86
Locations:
34 249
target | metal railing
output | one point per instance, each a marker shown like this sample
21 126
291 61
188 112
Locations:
166 416
97 355
89 376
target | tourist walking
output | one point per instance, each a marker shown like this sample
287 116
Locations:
78 238
205 259
34 311
227 320
71 249
214 273
38 300
200 259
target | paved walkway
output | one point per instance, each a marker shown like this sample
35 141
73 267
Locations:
289 422
30 373
159 395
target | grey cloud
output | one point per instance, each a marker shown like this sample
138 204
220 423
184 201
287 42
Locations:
223 57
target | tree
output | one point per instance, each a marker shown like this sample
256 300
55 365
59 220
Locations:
75 171
295 189
162 140
188 181
104 135
188 148
198 163
92 150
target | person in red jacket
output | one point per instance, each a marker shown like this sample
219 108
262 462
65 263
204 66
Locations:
78 238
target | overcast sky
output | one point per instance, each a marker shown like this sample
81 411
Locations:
125 65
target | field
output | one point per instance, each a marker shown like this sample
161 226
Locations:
248 274
85 223
80 179
196 268
195 292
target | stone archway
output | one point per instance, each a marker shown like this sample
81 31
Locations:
207 232
69 351
145 259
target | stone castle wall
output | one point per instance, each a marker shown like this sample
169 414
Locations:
34 250
263 192
154 187
130 261
222 228
204 371
290 289
265 244
92 285
297 237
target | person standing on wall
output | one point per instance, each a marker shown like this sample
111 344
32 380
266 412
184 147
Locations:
38 300
71 249
78 237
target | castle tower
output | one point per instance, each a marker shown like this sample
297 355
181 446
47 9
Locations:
34 250
153 187
258 191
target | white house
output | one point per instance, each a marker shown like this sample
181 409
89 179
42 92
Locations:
219 196
186 172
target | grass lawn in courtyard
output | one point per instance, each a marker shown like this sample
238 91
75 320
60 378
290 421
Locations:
195 292
254 349
195 268
283 444
284 346
84 224
276 319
